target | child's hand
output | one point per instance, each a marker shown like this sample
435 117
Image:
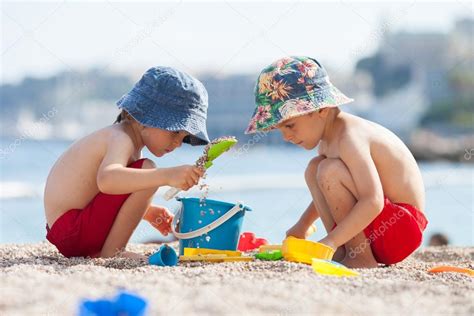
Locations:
299 230
160 218
185 177
328 242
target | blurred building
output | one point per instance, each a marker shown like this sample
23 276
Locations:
413 78
231 105
418 77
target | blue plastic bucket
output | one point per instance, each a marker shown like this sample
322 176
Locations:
206 224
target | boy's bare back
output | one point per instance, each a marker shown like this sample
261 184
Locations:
72 181
397 169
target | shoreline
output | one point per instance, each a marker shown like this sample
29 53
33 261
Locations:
36 279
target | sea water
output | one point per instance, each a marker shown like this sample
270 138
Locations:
269 179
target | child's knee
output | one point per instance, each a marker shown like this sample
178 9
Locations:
311 171
329 170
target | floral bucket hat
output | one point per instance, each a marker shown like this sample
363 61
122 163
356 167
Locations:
291 87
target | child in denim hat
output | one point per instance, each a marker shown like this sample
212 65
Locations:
365 184
100 188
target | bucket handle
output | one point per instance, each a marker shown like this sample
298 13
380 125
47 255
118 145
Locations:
204 230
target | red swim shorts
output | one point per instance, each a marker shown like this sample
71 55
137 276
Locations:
82 232
396 232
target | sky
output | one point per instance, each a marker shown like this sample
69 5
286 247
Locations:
40 39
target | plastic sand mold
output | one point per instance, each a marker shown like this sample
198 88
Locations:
212 255
440 269
248 242
327 267
165 256
123 304
269 252
303 251
270 255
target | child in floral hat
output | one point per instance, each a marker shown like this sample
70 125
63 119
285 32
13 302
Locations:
365 184
101 188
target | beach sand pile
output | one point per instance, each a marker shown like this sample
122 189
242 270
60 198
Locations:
37 280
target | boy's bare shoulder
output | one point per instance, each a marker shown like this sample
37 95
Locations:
376 142
98 143
354 131
107 135
113 135
364 132
357 135
118 132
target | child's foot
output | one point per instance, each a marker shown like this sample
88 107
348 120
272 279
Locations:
360 262
131 255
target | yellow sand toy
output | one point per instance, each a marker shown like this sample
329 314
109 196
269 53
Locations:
326 267
303 251
264 248
212 255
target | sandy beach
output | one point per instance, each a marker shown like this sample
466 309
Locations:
37 280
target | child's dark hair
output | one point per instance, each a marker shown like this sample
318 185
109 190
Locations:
438 239
122 116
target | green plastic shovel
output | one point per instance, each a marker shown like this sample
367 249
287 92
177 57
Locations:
213 150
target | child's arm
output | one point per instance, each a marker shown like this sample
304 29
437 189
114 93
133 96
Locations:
301 227
356 155
113 176
310 215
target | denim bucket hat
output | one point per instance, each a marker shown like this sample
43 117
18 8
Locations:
169 99
291 87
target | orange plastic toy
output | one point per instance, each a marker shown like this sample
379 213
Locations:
440 269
